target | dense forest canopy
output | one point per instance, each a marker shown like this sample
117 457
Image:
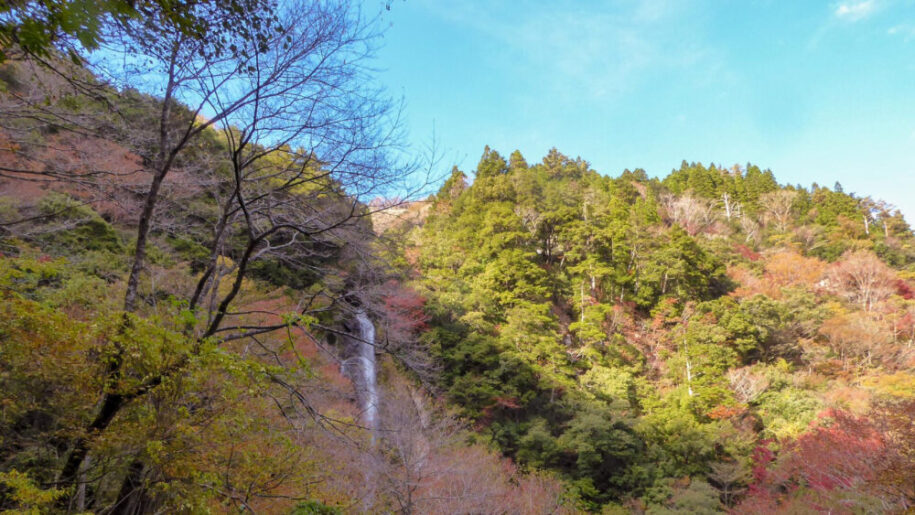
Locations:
224 288
630 332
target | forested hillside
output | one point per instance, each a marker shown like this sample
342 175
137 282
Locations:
705 341
227 286
196 313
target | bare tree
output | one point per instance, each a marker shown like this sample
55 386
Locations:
731 206
861 278
876 212
777 207
746 384
858 335
420 464
692 213
730 477
411 439
305 136
750 228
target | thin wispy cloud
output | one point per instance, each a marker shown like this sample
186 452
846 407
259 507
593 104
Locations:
906 32
855 11
601 53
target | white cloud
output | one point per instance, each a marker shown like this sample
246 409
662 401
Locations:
854 11
906 32
600 52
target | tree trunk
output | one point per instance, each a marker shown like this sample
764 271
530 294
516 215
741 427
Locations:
139 253
163 164
81 489
111 404
689 378
132 499
582 302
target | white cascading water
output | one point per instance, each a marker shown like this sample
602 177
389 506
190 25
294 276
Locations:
366 358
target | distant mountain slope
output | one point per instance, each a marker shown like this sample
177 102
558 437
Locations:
653 341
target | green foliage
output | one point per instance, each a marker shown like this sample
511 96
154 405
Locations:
697 498
830 205
744 185
452 187
787 412
36 26
680 269
41 397
679 444
42 27
540 277
779 324
614 386
189 249
600 449
315 508
27 497
577 325
75 227
491 164
53 364
275 272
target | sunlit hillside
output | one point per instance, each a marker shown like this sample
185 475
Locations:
231 281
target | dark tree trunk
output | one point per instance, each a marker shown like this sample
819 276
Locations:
111 404
139 253
132 499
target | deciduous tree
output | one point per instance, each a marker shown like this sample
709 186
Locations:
861 278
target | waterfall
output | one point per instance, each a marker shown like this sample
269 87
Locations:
366 357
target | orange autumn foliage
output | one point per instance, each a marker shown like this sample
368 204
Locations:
784 269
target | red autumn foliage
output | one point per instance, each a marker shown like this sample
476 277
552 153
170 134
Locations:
404 309
665 313
762 456
840 452
905 323
843 460
507 402
747 252
721 412
904 290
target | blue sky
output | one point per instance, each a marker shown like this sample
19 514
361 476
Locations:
816 91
